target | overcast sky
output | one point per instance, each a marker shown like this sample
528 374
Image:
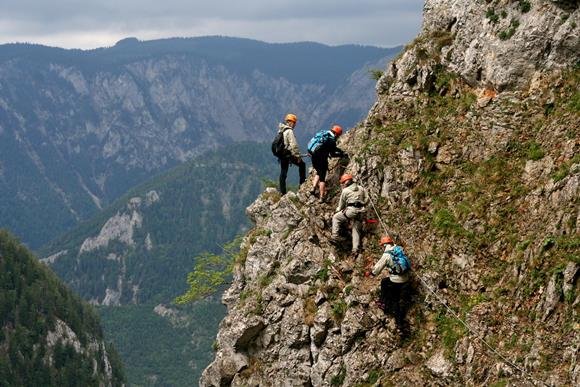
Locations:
90 23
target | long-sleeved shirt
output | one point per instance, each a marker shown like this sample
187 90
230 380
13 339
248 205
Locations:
351 195
387 261
290 139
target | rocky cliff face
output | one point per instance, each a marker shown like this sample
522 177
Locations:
470 155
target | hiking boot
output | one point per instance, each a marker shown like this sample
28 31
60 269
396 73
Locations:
345 268
314 239
380 304
335 240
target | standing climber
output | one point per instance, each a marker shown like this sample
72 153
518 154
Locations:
321 147
395 290
351 207
292 152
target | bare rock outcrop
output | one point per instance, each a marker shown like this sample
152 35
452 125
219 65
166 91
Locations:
470 156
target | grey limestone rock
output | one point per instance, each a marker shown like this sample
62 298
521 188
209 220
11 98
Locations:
432 180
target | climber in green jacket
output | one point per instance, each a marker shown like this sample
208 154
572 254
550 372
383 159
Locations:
351 207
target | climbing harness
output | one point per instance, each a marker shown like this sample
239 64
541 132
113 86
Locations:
454 314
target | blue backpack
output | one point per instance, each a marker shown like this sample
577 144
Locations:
400 260
318 140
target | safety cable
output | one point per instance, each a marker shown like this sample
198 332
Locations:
467 326
377 212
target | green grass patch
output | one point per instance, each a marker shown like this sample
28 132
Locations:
500 383
564 169
374 376
265 280
257 232
450 331
510 31
535 151
444 220
338 379
348 290
323 274
273 196
574 103
287 232
339 308
376 74
524 6
492 16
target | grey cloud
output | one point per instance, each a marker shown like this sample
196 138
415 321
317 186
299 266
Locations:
229 9
354 20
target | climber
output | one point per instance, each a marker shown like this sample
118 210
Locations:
321 147
395 290
292 154
351 206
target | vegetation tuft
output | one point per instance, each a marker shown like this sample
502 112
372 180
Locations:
212 271
510 31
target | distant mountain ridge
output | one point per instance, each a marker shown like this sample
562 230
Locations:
247 54
79 128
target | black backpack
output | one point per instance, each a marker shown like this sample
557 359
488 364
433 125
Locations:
278 146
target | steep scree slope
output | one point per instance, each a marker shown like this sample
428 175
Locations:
478 177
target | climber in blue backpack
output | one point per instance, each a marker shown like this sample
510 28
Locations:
321 147
394 288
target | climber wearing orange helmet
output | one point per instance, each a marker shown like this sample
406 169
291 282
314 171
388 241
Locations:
321 147
351 207
292 155
394 288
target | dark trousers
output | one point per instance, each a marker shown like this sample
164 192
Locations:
395 297
284 164
320 164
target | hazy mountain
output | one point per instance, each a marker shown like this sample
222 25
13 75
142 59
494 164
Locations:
79 128
48 336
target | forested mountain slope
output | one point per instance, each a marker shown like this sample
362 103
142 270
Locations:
140 249
133 259
470 156
80 128
48 336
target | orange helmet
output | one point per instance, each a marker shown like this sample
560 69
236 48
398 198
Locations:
336 129
386 239
291 117
346 177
